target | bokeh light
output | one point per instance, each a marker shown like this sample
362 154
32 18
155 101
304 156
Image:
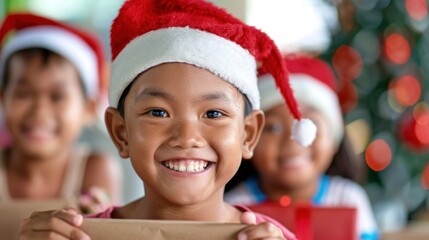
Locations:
382 4
348 96
417 9
365 5
359 133
418 26
421 128
407 133
368 80
370 19
395 176
378 155
397 48
388 107
414 128
412 194
407 90
419 109
425 177
366 42
285 201
347 63
424 67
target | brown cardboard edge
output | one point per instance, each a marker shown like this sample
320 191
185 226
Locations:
109 229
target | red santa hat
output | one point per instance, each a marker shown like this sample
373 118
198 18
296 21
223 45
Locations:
147 33
314 85
82 49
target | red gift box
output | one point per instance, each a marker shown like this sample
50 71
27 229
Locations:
313 222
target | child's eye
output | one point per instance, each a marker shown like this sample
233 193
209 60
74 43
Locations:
57 97
213 114
21 94
275 128
158 113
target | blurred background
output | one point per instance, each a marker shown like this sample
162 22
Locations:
379 50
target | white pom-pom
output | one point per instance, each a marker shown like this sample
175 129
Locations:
304 132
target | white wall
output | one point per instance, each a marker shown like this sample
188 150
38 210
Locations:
236 7
295 25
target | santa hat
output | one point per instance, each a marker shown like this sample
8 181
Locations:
83 50
314 85
147 33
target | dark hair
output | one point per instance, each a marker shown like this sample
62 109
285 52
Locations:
46 56
345 163
245 171
121 102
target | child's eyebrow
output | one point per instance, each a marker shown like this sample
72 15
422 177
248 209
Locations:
214 96
22 81
153 92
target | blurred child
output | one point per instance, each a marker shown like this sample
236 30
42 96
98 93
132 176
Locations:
285 168
184 107
50 74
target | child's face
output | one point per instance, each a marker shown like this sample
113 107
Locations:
283 162
43 104
185 132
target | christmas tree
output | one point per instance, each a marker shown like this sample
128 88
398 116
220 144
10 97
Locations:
381 57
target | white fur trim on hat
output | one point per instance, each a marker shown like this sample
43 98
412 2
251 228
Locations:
218 55
61 42
304 131
310 92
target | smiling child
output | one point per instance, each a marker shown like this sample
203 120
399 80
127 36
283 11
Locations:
184 107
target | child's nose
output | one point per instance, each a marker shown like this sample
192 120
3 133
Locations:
40 105
289 146
186 134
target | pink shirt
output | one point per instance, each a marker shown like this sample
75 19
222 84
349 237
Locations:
260 218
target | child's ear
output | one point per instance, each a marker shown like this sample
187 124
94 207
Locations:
253 125
115 124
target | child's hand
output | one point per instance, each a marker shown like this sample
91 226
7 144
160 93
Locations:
56 224
94 201
264 230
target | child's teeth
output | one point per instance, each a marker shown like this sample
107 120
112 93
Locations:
182 167
186 165
190 167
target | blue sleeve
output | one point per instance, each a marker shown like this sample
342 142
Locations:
369 236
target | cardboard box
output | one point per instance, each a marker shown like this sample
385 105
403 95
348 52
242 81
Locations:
311 222
12 214
112 229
